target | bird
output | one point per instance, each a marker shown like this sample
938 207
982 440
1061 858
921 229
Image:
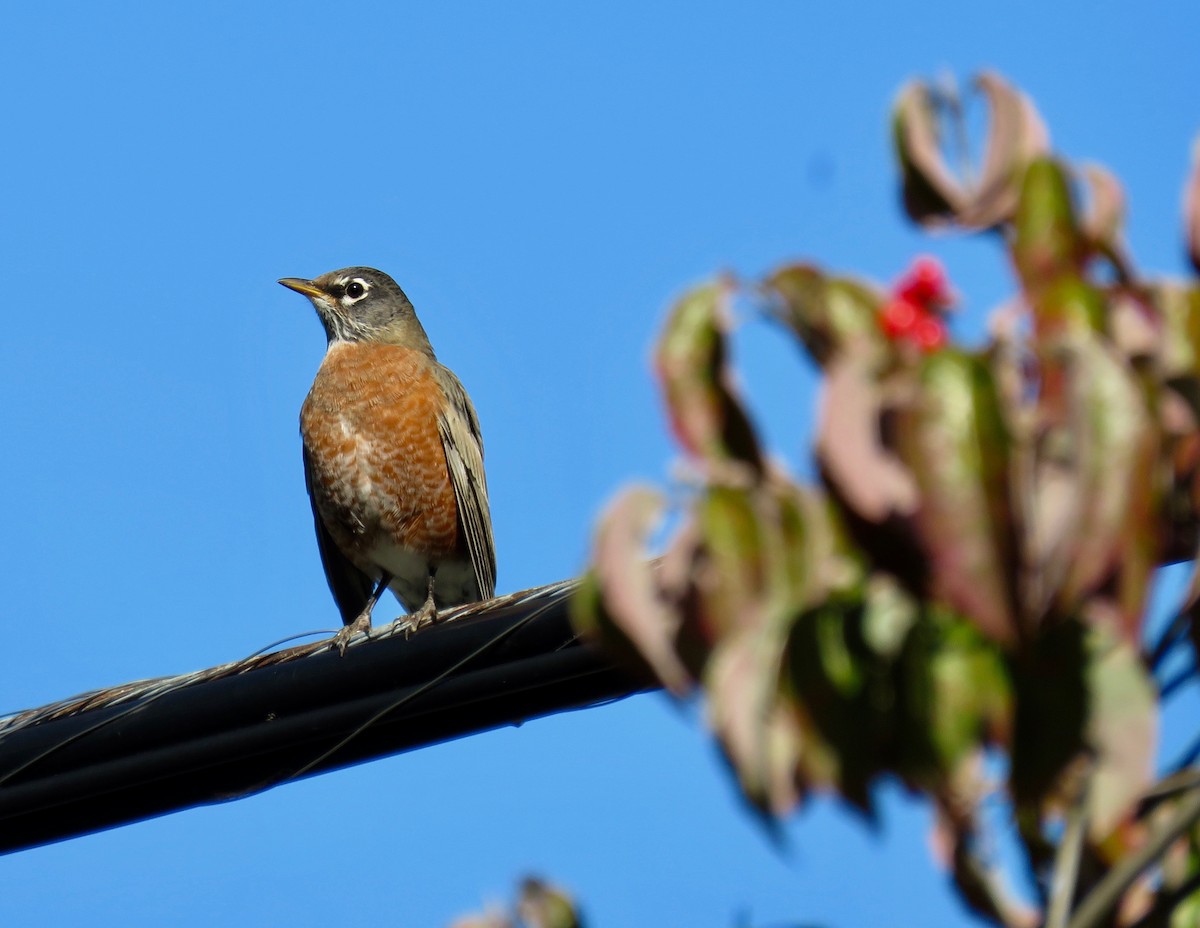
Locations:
393 459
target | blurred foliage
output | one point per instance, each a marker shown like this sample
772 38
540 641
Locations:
959 603
538 905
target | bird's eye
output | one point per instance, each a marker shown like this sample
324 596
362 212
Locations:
355 289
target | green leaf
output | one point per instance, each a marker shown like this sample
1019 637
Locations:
1065 307
540 905
767 551
845 694
827 314
954 441
705 413
1047 244
958 698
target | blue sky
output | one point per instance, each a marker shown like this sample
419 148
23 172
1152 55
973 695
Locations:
542 179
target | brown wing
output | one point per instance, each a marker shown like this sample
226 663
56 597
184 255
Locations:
463 444
351 588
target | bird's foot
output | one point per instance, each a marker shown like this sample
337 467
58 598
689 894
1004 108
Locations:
426 615
342 638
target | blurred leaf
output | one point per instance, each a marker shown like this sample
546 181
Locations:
1134 324
705 413
826 313
1122 730
630 595
1191 209
541 905
1113 523
590 617
846 695
765 550
953 439
933 194
1179 308
1050 681
1105 213
957 698
732 575
759 736
889 617
1047 244
493 918
1016 135
869 478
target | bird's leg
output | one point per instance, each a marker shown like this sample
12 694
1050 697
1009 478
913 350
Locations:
362 621
427 614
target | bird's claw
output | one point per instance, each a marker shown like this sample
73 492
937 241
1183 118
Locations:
342 639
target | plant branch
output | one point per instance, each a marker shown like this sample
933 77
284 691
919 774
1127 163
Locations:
1101 900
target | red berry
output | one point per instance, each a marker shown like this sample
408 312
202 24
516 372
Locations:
898 317
925 283
929 332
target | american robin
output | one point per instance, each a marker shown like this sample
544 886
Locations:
393 458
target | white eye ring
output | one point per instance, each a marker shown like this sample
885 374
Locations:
356 289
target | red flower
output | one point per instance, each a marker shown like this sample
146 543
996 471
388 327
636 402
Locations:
925 283
912 313
899 316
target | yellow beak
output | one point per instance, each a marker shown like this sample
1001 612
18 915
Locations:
300 285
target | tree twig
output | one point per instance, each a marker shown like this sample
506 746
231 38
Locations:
1066 861
1100 901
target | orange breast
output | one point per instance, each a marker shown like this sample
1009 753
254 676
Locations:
370 427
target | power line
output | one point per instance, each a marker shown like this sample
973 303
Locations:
144 749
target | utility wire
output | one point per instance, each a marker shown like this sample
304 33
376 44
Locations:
143 749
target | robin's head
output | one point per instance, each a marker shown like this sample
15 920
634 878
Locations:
361 304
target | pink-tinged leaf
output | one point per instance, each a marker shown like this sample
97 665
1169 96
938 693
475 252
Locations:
1067 308
1191 209
933 193
630 595
1122 731
953 438
1104 214
1016 135
706 414
868 477
1111 445
827 314
1135 324
759 736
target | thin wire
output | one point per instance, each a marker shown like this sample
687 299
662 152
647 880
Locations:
403 700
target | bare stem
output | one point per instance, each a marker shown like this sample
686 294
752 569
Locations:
1101 900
